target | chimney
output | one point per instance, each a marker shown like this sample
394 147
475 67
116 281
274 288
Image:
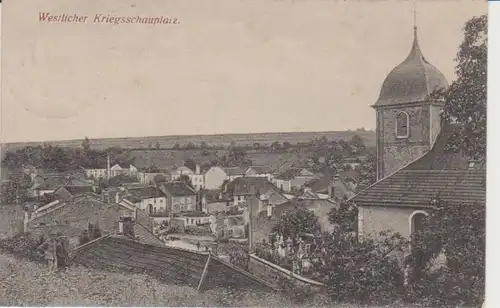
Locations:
117 197
198 169
135 214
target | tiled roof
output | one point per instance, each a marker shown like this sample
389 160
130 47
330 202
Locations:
145 192
233 171
439 174
250 186
262 169
289 174
79 189
177 188
419 187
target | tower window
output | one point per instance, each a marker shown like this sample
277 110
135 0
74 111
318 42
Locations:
402 124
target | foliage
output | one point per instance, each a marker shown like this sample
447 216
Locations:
238 255
60 159
185 178
345 217
86 144
368 171
458 231
23 245
14 190
198 230
118 180
465 99
364 271
296 222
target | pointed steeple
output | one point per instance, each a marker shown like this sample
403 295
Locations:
416 52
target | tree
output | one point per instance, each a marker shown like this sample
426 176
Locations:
203 145
296 222
275 146
344 218
236 157
368 171
158 146
86 144
191 164
152 169
458 231
465 99
357 144
176 146
185 178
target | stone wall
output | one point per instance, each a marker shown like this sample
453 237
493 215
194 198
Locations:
279 277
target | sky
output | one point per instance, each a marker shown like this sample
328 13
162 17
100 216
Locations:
228 66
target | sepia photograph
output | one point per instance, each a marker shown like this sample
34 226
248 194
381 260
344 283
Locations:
243 153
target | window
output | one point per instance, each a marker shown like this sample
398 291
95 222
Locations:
402 124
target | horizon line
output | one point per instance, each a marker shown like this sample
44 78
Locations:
185 135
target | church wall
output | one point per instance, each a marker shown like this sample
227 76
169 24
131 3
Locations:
435 122
395 153
374 219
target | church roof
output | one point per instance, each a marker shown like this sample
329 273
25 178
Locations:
439 174
412 80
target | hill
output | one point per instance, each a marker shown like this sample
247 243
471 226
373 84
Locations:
211 140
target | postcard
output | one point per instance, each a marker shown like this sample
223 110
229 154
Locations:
241 153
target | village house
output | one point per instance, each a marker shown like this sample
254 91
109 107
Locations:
149 199
148 178
48 183
241 188
351 162
264 218
260 171
179 197
293 178
214 202
68 192
216 176
72 217
414 169
125 169
96 172
196 177
338 186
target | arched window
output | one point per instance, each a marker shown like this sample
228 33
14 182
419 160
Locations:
417 219
402 124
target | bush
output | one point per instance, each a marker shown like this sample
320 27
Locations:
367 271
23 245
238 255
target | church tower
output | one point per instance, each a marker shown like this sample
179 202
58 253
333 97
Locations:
408 121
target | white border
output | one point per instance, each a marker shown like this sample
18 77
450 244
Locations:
493 151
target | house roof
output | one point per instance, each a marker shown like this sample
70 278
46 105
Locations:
250 186
79 189
178 188
233 171
261 169
183 170
290 174
145 192
439 174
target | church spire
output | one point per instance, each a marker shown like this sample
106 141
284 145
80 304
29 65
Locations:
415 49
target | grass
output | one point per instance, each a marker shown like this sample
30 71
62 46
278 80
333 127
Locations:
24 283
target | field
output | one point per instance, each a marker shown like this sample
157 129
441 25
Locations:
213 140
168 158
